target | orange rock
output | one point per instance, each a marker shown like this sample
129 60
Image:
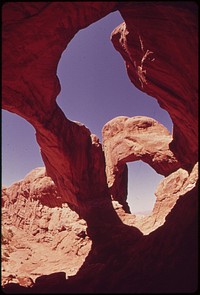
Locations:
25 281
132 139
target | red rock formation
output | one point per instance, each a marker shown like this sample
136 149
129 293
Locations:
165 260
36 221
161 55
41 229
34 205
73 158
132 139
159 44
169 190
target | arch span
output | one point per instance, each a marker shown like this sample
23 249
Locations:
132 139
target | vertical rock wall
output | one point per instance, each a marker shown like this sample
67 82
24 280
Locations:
159 43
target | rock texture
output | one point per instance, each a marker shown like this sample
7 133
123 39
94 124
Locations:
161 55
35 206
132 139
40 233
72 156
121 265
159 44
40 237
170 189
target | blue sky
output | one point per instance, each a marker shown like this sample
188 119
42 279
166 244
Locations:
94 89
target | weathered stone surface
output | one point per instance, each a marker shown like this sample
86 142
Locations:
170 189
40 233
53 228
22 281
34 205
159 44
166 260
161 55
132 139
73 158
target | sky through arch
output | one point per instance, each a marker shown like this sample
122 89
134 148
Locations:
95 88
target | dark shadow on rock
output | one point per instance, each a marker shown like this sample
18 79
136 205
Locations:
13 288
164 261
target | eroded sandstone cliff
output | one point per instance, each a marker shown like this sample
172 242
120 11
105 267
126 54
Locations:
158 42
161 59
73 157
41 234
44 242
47 235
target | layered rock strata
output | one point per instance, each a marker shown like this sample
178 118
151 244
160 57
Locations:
40 233
34 205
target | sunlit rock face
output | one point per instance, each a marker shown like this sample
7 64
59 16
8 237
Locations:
159 45
34 204
170 189
52 236
158 42
168 192
133 139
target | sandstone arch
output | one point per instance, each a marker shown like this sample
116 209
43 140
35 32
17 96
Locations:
30 84
72 156
161 58
132 139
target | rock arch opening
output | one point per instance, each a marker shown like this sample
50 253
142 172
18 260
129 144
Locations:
95 87
122 260
94 96
94 84
142 183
